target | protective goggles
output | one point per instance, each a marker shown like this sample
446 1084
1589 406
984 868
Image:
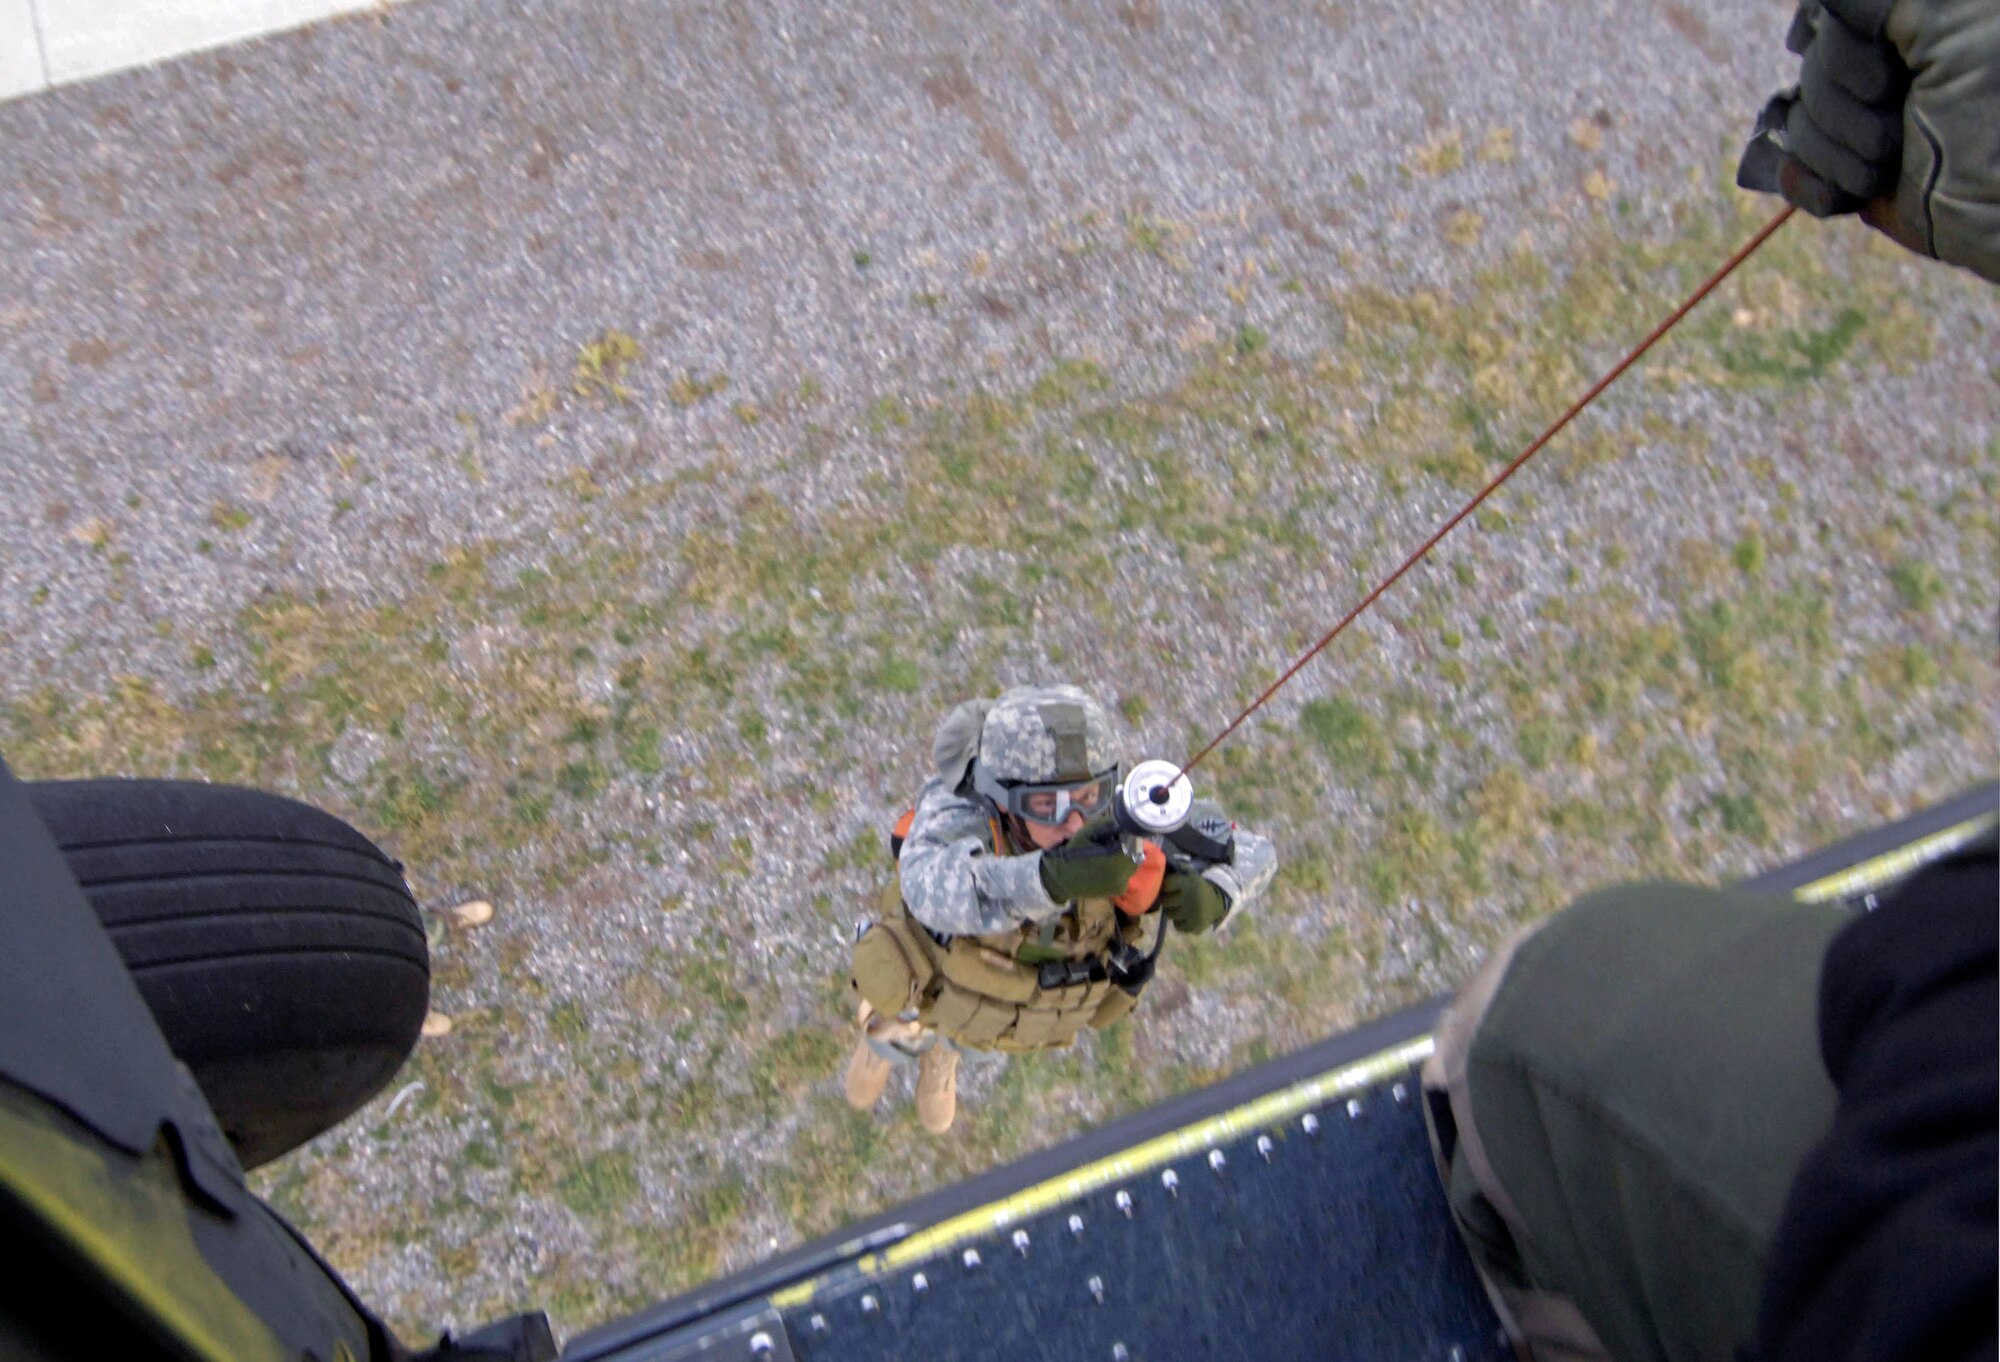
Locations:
1051 804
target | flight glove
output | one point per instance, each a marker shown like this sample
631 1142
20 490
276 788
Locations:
1835 140
1896 116
1092 864
1190 902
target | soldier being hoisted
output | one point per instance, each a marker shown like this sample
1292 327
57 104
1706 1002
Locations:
1023 912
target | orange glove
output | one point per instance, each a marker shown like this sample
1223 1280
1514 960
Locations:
1144 887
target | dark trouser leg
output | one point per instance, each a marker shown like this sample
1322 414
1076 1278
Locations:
1619 1102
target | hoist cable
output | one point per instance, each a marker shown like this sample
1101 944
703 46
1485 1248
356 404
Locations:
1708 286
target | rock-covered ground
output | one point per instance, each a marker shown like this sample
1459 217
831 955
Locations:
589 446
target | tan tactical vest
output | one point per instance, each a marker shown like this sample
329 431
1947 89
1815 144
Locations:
990 992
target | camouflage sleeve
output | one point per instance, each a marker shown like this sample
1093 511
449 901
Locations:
954 883
1249 872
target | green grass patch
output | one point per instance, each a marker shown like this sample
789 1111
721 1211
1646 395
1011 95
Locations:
1346 733
600 1185
1750 554
1796 356
1918 584
900 675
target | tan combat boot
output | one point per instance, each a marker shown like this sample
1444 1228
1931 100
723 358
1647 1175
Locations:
867 1072
937 1087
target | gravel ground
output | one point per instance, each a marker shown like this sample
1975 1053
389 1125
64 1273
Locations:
589 445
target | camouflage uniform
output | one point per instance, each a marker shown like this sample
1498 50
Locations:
957 883
962 879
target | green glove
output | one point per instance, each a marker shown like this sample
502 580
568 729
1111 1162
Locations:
1093 864
1834 141
1190 902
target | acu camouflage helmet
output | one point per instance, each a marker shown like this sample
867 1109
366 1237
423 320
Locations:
1044 738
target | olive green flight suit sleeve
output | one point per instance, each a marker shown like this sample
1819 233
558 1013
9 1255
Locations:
1948 196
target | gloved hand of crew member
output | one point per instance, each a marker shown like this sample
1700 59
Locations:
1834 141
1092 864
1896 117
1190 902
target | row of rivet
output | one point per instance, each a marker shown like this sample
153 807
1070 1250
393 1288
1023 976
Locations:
1169 1179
